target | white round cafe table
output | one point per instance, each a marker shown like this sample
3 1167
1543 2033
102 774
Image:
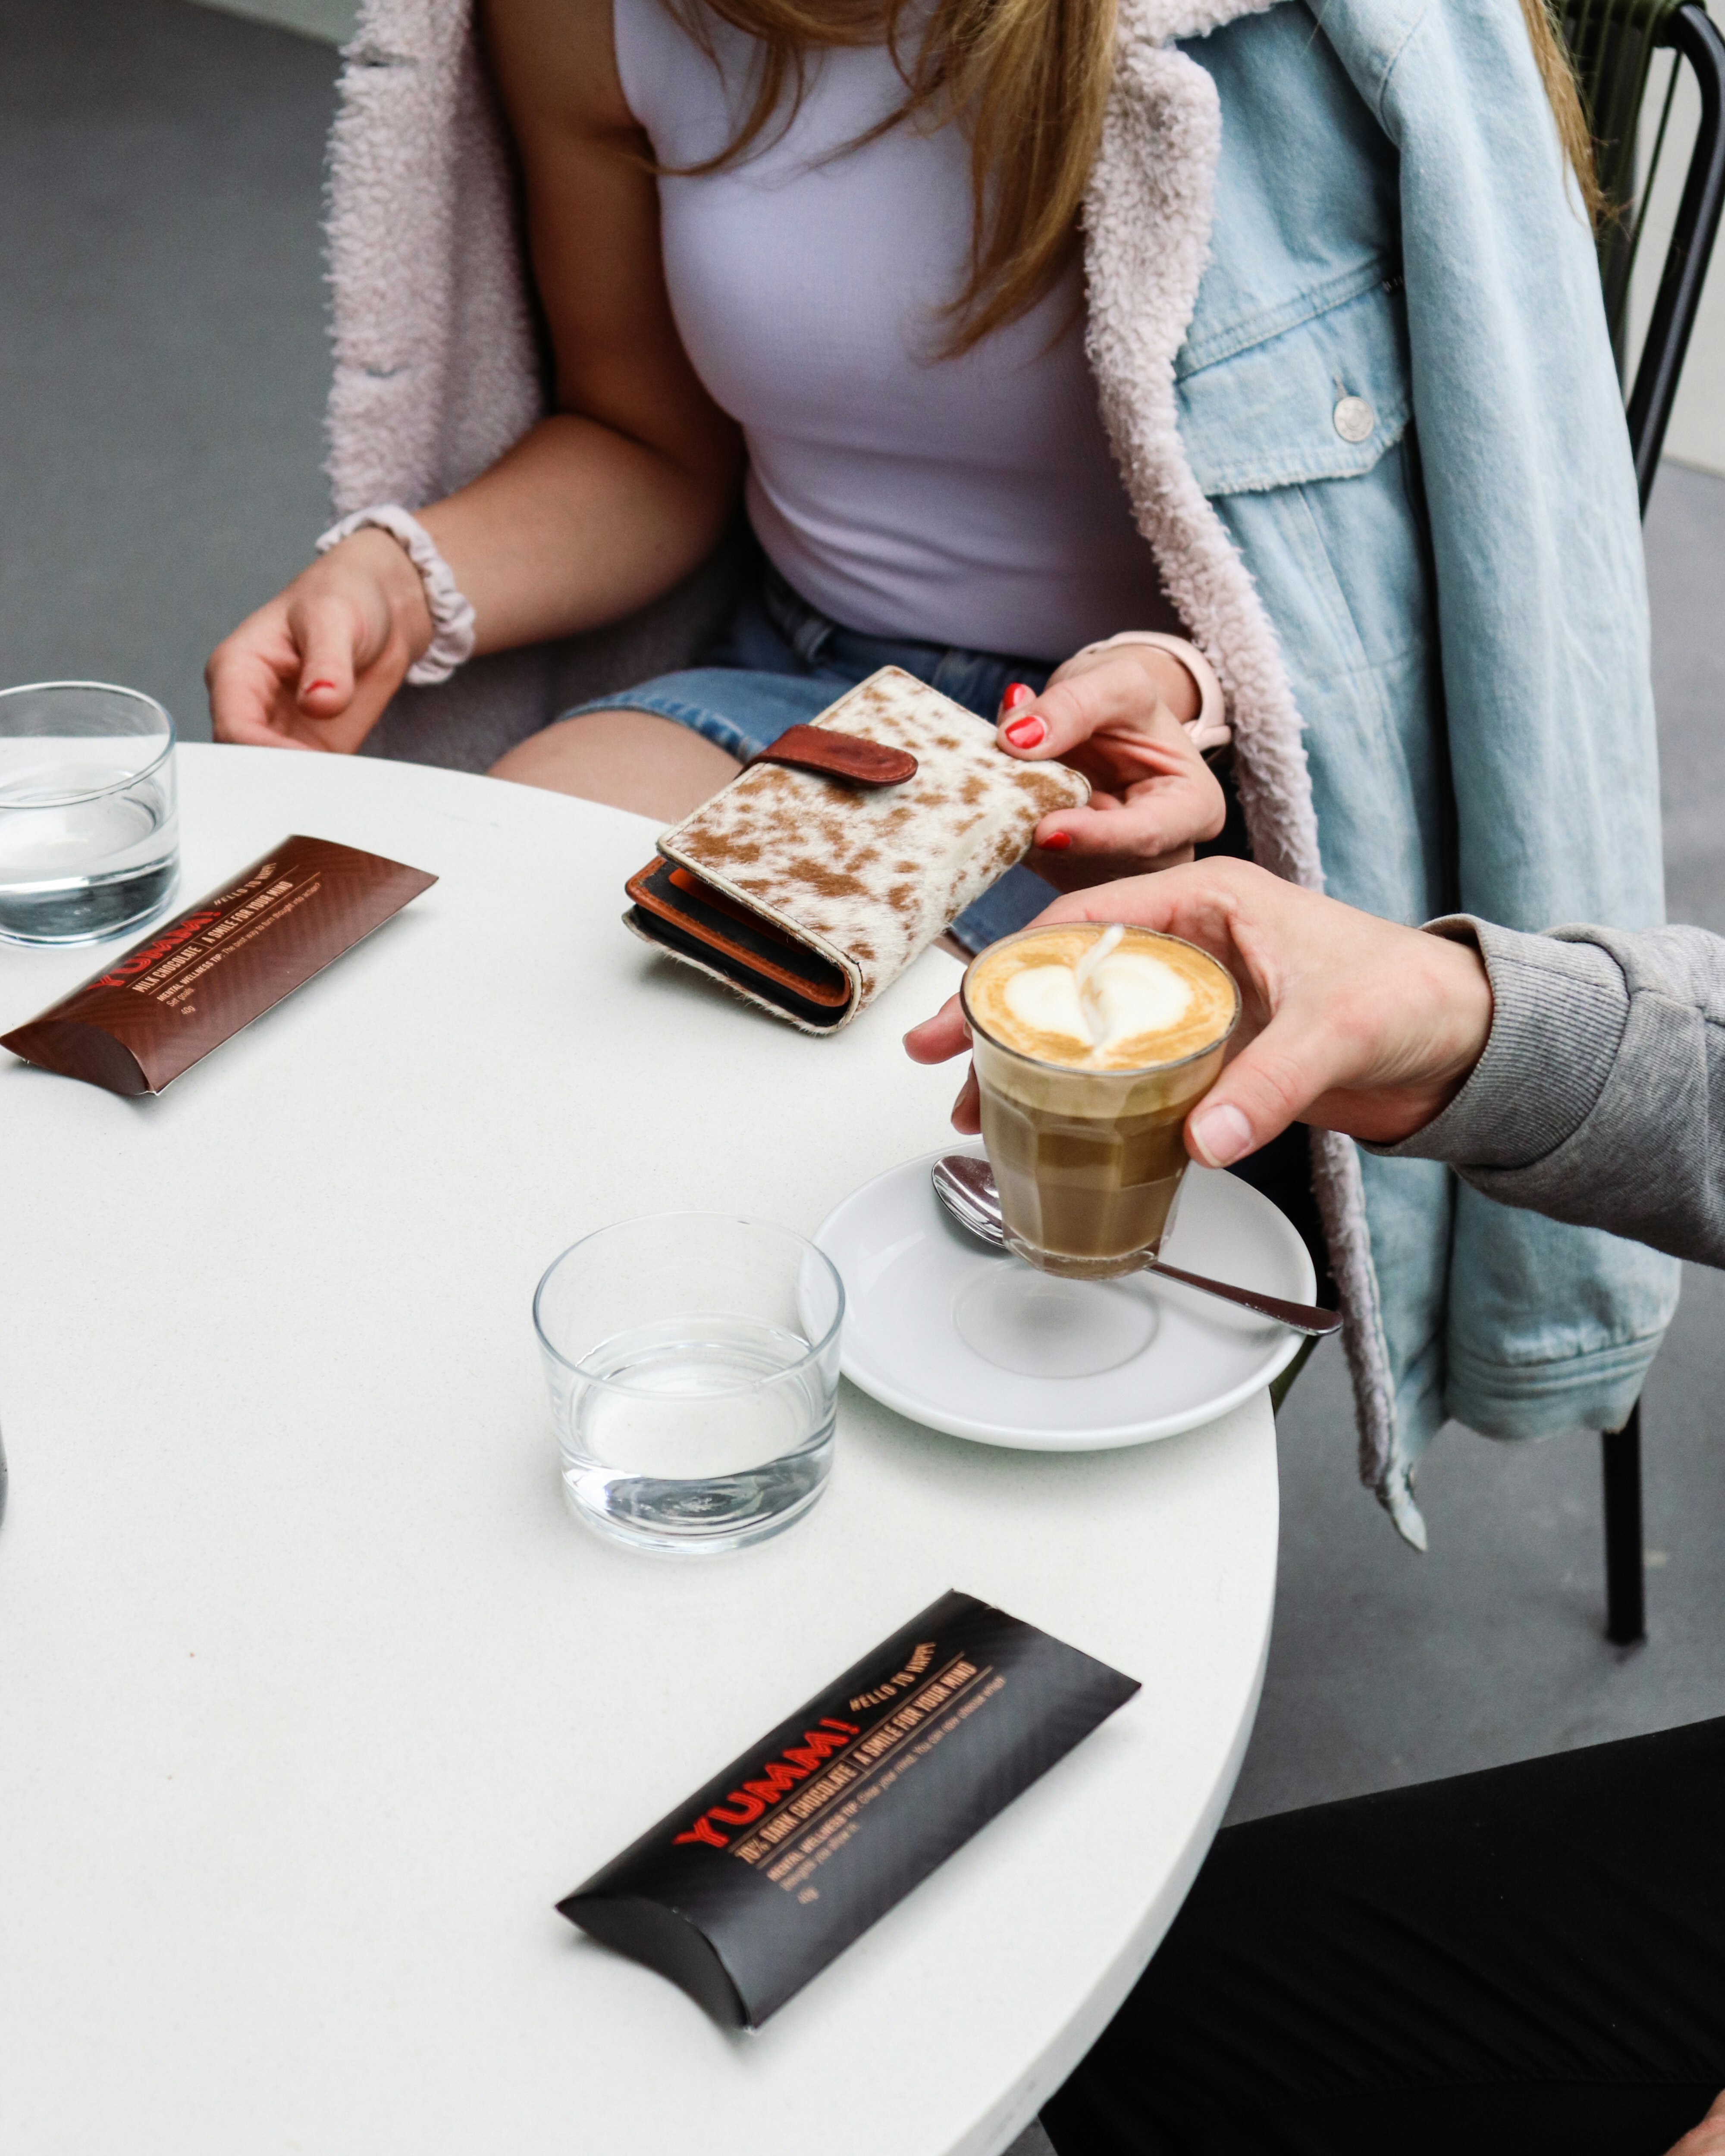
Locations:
314 1698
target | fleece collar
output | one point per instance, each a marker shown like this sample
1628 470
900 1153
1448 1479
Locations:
1148 220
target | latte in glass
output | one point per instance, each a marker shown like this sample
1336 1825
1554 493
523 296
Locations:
1092 1042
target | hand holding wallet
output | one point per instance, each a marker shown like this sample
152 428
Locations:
840 854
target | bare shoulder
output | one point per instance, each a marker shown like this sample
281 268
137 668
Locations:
555 63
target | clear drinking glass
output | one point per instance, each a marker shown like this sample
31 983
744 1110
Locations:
88 824
693 1359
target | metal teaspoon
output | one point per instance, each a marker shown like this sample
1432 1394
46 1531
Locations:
965 1186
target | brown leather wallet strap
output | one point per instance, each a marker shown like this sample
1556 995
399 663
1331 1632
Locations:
834 754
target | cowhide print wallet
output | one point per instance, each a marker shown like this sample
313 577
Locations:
841 852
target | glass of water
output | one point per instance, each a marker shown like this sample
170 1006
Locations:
88 824
694 1365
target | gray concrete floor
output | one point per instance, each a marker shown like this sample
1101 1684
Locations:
162 372
333 21
162 362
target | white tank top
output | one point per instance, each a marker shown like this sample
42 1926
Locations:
971 501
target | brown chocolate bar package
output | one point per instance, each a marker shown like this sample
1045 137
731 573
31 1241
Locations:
187 988
758 1881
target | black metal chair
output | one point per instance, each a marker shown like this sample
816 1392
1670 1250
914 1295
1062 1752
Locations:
1612 44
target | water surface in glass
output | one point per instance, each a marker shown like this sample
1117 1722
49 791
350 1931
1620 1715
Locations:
693 1360
89 821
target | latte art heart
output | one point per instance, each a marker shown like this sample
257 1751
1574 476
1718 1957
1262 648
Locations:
1106 998
1128 995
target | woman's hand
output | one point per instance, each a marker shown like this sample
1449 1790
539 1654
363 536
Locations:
1708 2139
314 668
1348 1021
1115 715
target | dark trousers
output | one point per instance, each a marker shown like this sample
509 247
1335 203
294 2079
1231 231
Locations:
1524 1960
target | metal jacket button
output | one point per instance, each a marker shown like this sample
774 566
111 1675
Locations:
1354 418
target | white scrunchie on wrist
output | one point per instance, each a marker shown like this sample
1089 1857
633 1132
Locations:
1211 728
451 616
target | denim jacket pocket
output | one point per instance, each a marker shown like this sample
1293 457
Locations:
1323 400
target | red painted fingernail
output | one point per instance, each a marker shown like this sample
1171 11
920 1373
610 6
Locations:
1026 733
311 686
1056 842
1016 693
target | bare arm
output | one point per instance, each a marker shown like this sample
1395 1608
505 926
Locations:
629 484
620 491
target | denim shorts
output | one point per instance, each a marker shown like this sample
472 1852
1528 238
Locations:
776 662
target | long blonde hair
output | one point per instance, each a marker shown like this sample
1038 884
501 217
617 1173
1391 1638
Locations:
1029 80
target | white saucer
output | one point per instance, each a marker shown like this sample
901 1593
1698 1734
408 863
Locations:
975 1342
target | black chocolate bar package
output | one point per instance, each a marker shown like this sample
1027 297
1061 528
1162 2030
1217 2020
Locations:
757 1881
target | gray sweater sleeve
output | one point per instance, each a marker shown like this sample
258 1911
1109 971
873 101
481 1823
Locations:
1601 1097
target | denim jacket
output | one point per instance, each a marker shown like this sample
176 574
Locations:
1460 607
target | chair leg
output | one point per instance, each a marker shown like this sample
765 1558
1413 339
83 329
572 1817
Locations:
1625 1578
